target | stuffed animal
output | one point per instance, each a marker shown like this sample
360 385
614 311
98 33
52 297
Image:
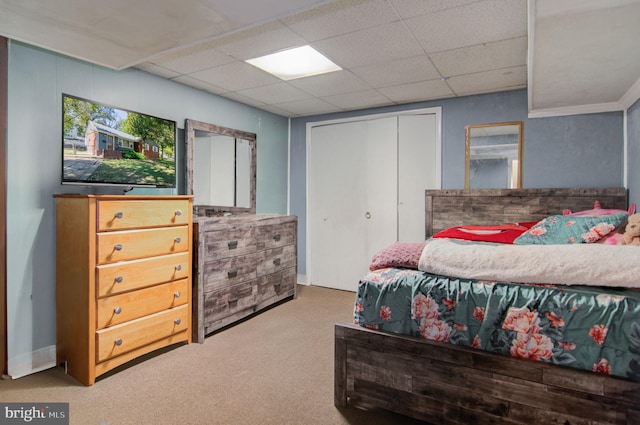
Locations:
632 230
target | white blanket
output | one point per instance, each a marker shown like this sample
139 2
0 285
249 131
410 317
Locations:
578 264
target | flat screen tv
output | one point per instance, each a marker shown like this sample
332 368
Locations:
104 145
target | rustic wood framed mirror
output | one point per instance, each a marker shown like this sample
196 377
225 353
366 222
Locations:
221 168
493 157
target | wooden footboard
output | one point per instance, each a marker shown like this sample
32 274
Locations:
445 384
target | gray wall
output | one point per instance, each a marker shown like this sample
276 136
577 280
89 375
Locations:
570 151
37 79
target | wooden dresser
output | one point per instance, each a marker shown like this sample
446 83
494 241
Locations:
123 273
242 264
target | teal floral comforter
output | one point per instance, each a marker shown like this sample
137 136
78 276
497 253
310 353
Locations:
582 327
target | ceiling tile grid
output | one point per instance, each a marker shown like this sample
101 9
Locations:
568 53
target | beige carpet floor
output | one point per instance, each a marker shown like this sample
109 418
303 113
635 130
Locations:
275 368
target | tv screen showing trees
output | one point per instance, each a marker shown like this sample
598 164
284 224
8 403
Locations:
111 146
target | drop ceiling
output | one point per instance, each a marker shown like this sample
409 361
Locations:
574 56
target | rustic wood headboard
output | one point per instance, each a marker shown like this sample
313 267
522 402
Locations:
455 207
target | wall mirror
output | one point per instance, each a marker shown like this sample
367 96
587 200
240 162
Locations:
221 169
494 156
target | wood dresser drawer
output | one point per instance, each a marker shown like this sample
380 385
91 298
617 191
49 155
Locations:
276 285
125 276
128 336
275 235
229 271
229 243
229 300
126 214
132 244
132 305
276 259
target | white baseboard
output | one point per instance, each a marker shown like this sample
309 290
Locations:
29 363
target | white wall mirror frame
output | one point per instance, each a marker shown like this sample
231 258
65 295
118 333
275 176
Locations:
493 158
221 168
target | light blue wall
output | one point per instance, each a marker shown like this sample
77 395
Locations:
633 153
37 79
570 151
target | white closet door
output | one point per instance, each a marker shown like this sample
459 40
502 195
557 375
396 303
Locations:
418 170
352 204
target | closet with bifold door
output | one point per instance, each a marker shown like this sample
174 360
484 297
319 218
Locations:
366 182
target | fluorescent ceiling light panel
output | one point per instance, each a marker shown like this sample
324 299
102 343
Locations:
295 63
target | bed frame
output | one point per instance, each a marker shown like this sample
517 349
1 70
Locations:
459 385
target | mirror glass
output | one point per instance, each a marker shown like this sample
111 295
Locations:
494 156
221 168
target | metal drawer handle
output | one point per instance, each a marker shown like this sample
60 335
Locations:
177 321
276 262
276 237
178 212
233 244
176 294
177 240
118 214
118 247
117 310
233 300
119 279
179 267
232 273
118 341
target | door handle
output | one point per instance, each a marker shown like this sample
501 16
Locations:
367 215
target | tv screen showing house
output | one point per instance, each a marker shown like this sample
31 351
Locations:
105 145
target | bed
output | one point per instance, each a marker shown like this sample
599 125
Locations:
472 366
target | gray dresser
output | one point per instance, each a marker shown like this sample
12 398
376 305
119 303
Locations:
242 264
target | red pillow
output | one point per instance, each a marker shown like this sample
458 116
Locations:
505 233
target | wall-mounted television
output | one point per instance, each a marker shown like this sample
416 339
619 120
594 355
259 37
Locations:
104 145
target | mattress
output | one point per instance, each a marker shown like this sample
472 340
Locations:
583 327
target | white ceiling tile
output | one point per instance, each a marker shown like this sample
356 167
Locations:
244 99
275 93
357 100
235 76
415 92
588 47
392 41
341 17
481 57
117 36
251 11
192 82
489 81
157 70
585 53
476 23
401 71
192 59
277 111
307 107
330 83
264 39
410 8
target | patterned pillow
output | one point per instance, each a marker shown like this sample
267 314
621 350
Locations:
568 229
